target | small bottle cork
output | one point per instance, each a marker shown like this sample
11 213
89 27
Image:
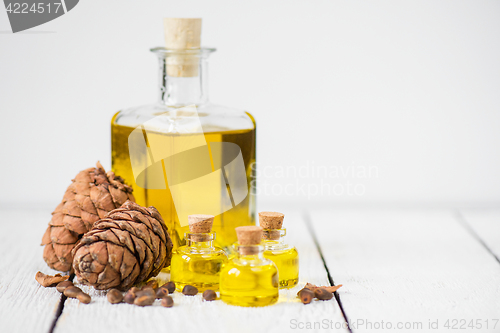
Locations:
182 34
200 224
271 220
248 236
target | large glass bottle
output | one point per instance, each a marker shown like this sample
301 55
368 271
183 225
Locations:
185 155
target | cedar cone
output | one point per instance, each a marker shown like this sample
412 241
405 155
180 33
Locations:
90 197
130 245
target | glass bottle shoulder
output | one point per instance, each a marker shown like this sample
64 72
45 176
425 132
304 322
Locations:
289 252
244 261
175 120
277 246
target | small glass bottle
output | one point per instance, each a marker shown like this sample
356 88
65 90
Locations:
249 279
283 255
199 263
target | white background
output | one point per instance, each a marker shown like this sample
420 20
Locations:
411 88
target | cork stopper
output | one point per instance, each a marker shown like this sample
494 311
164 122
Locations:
248 236
271 220
200 223
182 34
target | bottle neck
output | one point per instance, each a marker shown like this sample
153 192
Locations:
250 252
200 241
201 245
276 235
183 77
274 239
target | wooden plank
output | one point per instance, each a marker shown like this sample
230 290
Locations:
191 314
409 267
485 223
25 306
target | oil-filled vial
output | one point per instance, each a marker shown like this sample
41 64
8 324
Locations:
283 255
249 279
199 262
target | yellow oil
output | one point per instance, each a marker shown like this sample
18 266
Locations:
287 261
224 224
201 270
245 284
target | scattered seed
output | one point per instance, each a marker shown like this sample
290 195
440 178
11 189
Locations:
134 290
313 287
153 284
323 294
189 290
129 297
167 302
170 286
306 296
298 292
49 280
161 292
114 296
61 286
146 291
209 295
72 292
84 298
144 300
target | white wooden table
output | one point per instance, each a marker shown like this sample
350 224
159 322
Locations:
402 270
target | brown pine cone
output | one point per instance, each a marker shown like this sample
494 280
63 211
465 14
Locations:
130 245
90 197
